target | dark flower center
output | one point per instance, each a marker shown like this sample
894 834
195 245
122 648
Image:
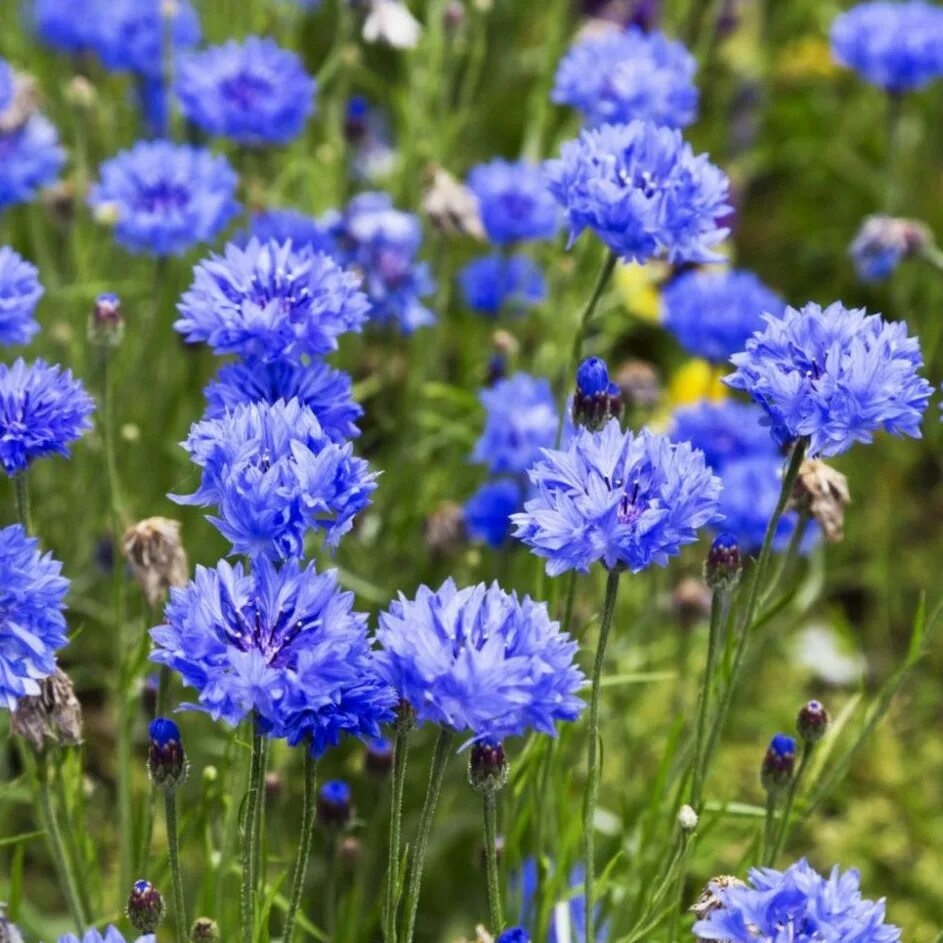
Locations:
245 89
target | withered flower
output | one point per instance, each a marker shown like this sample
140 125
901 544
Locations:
822 492
156 556
54 715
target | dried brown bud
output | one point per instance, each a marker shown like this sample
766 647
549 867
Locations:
822 492
22 105
52 715
505 343
638 380
445 528
350 851
450 206
710 900
156 556
59 201
691 601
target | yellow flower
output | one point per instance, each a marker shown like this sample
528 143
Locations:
638 288
808 57
694 381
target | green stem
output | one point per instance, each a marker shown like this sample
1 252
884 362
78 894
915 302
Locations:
330 887
443 750
173 855
495 912
391 903
718 608
769 824
21 487
567 624
592 763
250 835
304 844
790 802
892 154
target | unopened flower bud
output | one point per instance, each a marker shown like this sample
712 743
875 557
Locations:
273 785
822 492
333 805
711 898
350 851
883 242
80 93
722 567
487 767
378 759
355 119
450 206
778 763
105 324
146 907
812 722
204 930
156 556
445 528
167 763
596 399
639 384
687 818
52 716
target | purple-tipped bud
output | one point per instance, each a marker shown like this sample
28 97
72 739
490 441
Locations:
274 785
166 762
778 764
453 16
106 325
204 930
355 119
146 907
722 567
812 721
487 767
597 399
333 806
378 760
514 935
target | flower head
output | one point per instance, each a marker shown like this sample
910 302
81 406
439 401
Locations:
274 475
724 431
615 77
285 225
834 375
896 46
514 201
269 302
32 627
69 25
326 391
165 198
111 935
253 92
494 282
629 500
712 314
20 292
488 511
280 642
643 191
479 660
883 242
521 420
42 411
30 158
799 905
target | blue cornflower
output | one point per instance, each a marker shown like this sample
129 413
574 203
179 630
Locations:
615 77
883 242
111 935
713 313
30 158
643 191
592 377
333 804
326 391
165 198
521 420
270 302
20 292
488 511
627 499
32 627
275 474
479 660
281 643
381 242
798 905
514 202
494 282
7 84
833 375
724 431
896 46
568 919
42 411
254 92
285 225
69 25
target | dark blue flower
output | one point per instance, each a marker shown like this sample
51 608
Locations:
42 412
275 475
896 46
111 935
514 202
480 660
326 391
254 92
30 158
629 500
20 292
724 431
521 420
494 282
269 302
488 511
615 77
643 191
165 198
713 313
798 905
514 935
285 225
32 627
69 25
592 377
833 375
280 643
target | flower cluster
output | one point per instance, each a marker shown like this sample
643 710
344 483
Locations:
615 77
479 660
495 282
643 191
712 314
629 500
280 643
32 627
833 375
254 92
30 158
20 292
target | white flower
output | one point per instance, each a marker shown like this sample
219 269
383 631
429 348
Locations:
390 22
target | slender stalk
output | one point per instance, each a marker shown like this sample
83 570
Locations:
173 855
21 488
790 802
718 608
330 887
892 153
592 762
769 825
391 902
250 835
495 911
443 750
304 845
567 623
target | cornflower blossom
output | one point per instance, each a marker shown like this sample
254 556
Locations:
493 283
514 202
20 292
